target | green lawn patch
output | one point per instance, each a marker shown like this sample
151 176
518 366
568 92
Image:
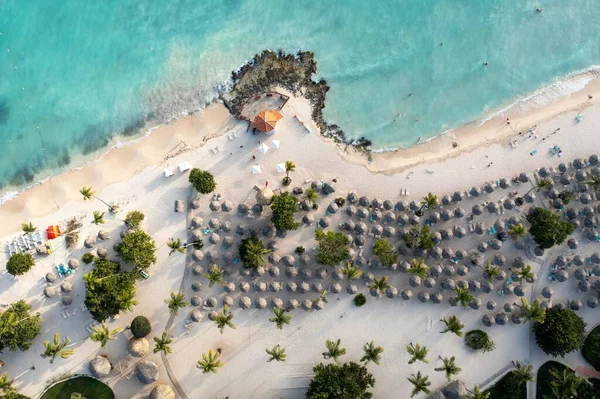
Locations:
507 388
591 348
88 387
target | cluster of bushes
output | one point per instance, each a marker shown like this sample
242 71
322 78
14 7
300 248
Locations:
109 290
332 248
19 263
344 381
478 339
18 327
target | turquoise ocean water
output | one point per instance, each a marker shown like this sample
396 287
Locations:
75 74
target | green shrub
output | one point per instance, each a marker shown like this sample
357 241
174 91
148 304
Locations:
19 263
340 201
299 250
283 208
88 258
419 237
360 300
385 252
252 252
547 229
332 248
478 339
137 248
346 381
203 181
562 332
134 219
140 327
591 348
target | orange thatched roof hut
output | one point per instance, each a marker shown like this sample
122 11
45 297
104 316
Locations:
265 121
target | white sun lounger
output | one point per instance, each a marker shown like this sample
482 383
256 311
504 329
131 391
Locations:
169 172
184 166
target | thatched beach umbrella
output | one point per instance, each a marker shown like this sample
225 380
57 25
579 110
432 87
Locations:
49 292
490 305
448 270
446 234
480 228
362 213
437 298
462 270
580 274
577 260
377 230
360 240
351 289
457 196
435 270
414 220
482 247
519 290
389 231
477 209
501 318
460 231
592 302
475 303
423 296
547 292
402 219
446 214
488 188
475 191
364 201
462 284
66 301
447 253
575 304
584 286
429 282
414 280
561 275
292 304
391 292
434 217
352 197
448 284
401 206
307 304
389 218
499 260
351 210
474 285
488 320
487 287
406 294
492 207
196 300
260 303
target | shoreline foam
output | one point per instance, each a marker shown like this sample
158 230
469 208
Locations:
517 107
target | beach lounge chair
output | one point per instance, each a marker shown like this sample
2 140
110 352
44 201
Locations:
169 172
184 166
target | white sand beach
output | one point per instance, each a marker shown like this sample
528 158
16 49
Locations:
133 177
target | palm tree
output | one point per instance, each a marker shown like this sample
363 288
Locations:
57 348
463 296
418 268
89 193
224 319
564 384
28 228
333 350
98 217
372 353
491 271
449 367
277 353
350 272
417 352
176 246
420 384
255 253
290 166
453 325
281 317
595 182
430 201
6 384
210 362
523 372
380 285
540 185
477 394
177 301
215 275
323 296
103 334
525 273
517 231
311 195
163 344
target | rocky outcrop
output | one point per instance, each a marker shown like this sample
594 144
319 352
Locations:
293 72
